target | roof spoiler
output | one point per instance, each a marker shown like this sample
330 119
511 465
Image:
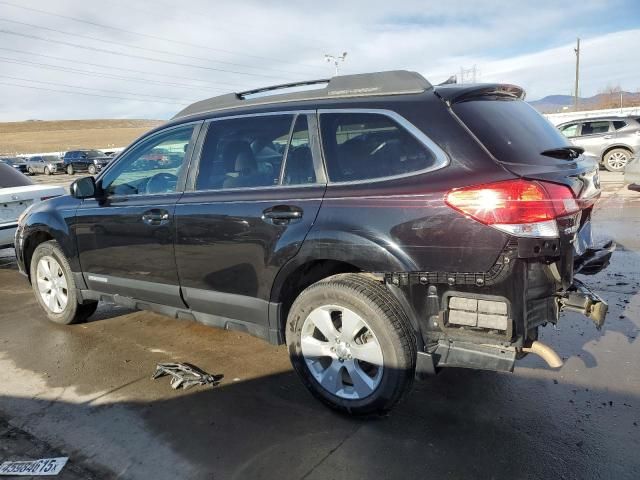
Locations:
397 82
461 93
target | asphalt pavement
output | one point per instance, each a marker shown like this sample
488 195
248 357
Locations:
86 391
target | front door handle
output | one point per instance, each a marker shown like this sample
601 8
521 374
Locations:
282 214
155 217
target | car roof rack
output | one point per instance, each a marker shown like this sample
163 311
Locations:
397 82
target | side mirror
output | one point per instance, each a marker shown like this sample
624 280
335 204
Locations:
84 187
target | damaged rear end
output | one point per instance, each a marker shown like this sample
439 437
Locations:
488 320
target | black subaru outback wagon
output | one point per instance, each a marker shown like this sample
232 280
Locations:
382 227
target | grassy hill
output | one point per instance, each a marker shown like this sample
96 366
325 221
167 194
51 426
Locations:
63 135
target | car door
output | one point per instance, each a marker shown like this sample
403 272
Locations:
35 164
249 204
125 236
594 136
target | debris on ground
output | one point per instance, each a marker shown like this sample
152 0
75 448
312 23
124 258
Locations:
185 375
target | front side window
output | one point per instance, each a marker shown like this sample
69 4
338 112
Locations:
594 128
245 152
152 167
364 146
570 131
299 168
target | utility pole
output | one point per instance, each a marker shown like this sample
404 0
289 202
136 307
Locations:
575 98
335 60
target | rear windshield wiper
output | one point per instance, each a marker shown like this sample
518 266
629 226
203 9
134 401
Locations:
566 153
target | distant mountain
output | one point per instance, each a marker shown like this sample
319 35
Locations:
554 103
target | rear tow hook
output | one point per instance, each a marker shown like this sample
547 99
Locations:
579 298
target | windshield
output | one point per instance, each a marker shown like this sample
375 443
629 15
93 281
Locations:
94 154
510 129
10 177
51 158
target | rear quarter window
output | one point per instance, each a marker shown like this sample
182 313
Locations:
512 130
367 146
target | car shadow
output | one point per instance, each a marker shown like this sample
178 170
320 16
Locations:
461 424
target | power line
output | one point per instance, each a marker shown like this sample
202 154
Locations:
154 50
139 57
245 29
155 37
85 94
102 74
101 65
94 89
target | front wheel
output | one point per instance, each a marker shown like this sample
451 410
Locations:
92 169
615 160
31 171
54 287
47 171
352 345
70 169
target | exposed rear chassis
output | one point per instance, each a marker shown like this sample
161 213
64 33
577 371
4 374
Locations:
440 346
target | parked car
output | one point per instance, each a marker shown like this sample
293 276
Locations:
47 164
17 193
91 161
632 174
614 140
15 162
380 226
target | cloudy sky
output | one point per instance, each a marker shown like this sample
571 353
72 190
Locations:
75 59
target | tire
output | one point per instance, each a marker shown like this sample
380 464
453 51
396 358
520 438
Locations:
30 171
48 264
386 332
616 159
91 169
47 171
70 169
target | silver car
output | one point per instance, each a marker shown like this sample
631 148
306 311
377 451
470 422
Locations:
47 164
613 140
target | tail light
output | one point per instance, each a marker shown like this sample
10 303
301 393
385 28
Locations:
519 207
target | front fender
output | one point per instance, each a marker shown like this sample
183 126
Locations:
54 218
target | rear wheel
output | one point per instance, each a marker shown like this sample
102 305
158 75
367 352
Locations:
616 159
70 169
352 345
54 287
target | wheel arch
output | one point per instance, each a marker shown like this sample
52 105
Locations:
323 256
613 147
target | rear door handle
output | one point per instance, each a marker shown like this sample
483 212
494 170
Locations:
607 137
155 217
282 214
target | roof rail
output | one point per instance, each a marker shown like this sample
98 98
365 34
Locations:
397 82
248 93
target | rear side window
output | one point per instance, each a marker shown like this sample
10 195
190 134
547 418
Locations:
618 124
366 146
510 129
594 128
244 152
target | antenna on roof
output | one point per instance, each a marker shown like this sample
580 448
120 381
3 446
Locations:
335 60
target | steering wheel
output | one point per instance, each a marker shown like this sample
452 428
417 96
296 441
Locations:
161 183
